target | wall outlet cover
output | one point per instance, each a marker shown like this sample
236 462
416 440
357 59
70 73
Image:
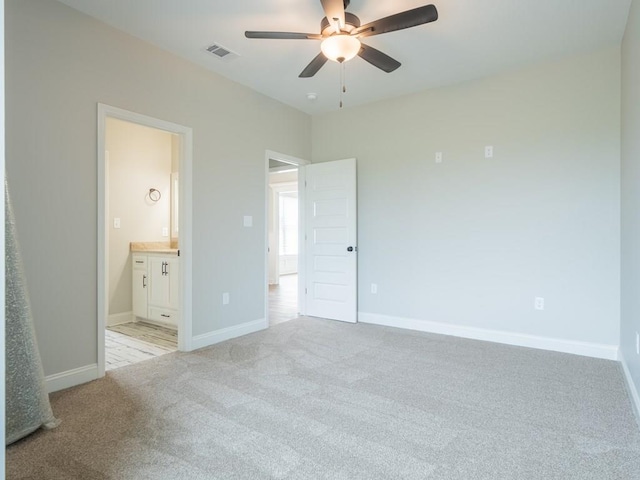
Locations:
488 151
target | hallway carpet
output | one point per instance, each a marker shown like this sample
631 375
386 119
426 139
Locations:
316 399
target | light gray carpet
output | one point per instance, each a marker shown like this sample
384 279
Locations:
314 399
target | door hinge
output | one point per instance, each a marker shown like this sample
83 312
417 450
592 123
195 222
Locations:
305 291
178 252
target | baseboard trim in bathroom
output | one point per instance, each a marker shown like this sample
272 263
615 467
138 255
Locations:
120 318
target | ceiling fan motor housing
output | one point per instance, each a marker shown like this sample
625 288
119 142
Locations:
351 23
341 37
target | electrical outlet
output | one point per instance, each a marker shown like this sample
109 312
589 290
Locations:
637 343
488 151
438 157
248 221
374 288
539 303
165 231
225 298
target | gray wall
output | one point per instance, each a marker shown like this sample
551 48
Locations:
59 65
630 325
472 241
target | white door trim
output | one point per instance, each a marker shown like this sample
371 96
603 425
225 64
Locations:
185 330
299 162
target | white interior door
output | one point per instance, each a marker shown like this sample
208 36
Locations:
331 253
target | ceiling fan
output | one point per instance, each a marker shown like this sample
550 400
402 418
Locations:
341 31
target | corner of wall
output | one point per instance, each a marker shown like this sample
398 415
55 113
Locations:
629 200
632 388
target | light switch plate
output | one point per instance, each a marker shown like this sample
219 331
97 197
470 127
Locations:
116 222
225 298
438 157
248 221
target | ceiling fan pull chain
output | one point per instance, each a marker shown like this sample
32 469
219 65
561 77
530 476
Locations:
343 89
344 78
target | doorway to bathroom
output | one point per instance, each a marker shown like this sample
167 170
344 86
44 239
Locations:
143 262
142 165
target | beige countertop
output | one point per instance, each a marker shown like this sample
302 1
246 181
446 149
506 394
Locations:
154 247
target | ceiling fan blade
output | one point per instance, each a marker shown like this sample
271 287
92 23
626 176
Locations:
399 21
334 11
283 35
315 65
378 59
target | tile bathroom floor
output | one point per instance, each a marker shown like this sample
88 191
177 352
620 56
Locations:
135 342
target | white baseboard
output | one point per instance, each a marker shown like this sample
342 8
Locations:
71 378
211 338
596 350
120 318
632 387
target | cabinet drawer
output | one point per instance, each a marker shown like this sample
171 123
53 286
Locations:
139 262
162 315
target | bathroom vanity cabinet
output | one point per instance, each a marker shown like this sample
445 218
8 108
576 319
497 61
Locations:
156 285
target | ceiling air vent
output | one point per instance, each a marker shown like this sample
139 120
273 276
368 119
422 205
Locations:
222 52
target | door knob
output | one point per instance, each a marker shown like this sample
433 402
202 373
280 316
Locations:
349 249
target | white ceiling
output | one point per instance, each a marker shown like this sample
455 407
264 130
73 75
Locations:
471 39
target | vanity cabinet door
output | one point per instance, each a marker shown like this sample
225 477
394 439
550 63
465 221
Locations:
140 281
140 284
159 282
173 274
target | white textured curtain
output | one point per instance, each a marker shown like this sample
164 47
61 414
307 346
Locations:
27 401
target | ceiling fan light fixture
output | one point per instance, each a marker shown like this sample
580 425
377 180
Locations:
340 48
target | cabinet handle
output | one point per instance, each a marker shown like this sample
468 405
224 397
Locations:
165 316
144 281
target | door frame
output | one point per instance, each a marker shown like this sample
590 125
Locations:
300 163
185 169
